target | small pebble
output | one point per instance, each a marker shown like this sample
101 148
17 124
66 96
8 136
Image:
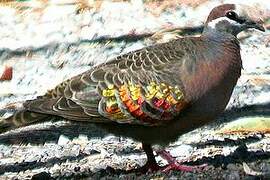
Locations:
63 140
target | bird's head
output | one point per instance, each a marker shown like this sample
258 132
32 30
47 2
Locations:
232 19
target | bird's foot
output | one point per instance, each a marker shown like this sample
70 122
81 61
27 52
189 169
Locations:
175 165
150 167
184 168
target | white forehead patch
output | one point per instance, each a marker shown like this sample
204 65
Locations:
213 24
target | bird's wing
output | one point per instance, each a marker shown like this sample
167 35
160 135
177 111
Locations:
140 87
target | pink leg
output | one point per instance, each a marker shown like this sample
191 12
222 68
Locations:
152 166
174 165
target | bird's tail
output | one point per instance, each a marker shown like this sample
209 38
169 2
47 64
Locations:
20 118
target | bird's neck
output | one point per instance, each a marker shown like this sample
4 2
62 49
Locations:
217 35
227 49
226 46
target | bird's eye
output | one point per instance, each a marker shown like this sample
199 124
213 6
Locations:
231 15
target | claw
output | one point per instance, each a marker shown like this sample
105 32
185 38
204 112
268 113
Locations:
179 167
174 165
152 166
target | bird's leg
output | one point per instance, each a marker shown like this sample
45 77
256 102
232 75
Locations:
174 164
151 164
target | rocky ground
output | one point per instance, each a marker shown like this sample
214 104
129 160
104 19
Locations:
44 42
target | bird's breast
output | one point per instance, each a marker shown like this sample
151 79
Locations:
212 84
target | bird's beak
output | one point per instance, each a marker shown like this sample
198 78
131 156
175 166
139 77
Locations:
257 25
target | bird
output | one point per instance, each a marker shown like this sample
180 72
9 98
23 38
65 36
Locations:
157 93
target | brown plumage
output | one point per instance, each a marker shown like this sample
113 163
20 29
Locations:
154 94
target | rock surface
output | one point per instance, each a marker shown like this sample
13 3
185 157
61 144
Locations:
47 42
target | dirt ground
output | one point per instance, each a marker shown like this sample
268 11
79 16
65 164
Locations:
44 42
